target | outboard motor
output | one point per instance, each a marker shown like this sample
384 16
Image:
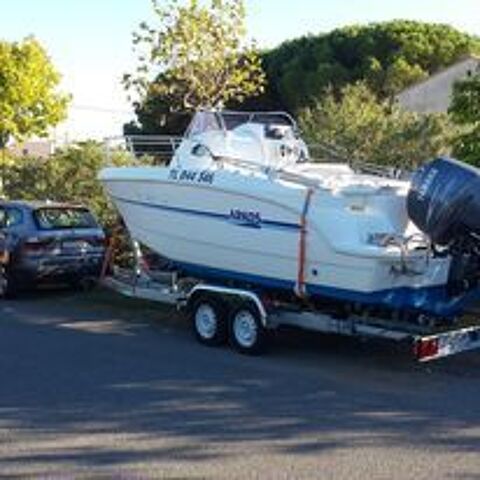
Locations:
444 202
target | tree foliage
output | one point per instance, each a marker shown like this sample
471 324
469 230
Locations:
69 175
465 112
387 56
29 100
362 128
196 56
154 115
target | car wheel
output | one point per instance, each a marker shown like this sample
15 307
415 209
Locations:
8 287
3 282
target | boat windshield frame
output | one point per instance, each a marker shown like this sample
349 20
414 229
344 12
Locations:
226 120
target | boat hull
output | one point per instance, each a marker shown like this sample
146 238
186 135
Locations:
231 227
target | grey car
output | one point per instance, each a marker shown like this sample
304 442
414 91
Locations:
49 242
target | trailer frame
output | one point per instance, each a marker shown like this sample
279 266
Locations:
255 313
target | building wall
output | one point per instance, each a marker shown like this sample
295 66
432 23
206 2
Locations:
434 95
34 148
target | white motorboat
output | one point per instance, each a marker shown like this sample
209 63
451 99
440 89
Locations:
241 203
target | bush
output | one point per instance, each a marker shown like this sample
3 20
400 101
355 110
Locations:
360 127
465 112
69 175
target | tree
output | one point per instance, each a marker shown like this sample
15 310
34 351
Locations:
359 127
29 101
465 112
154 115
387 56
32 178
196 57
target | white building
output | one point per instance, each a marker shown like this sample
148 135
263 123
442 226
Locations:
40 148
434 94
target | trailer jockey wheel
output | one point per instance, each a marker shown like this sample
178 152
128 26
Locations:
208 317
247 334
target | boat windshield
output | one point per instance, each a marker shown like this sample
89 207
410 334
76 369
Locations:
205 121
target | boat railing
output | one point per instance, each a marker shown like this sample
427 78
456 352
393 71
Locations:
326 153
271 172
159 149
146 149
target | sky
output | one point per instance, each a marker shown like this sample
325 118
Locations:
89 41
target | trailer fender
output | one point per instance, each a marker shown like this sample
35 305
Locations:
229 292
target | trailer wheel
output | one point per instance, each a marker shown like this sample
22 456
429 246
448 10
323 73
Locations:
247 334
209 322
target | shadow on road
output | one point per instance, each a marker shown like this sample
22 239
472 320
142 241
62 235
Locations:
84 388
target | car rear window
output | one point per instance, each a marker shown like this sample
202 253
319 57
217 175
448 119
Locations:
64 218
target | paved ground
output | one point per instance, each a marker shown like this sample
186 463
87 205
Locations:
93 388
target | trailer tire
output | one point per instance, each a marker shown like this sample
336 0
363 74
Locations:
209 320
247 333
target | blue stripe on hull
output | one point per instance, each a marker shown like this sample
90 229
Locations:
201 213
434 300
206 273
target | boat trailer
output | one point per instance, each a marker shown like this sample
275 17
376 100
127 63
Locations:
242 317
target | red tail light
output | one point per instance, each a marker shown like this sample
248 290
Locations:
36 245
426 348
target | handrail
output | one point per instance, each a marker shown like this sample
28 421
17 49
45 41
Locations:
145 144
163 146
303 180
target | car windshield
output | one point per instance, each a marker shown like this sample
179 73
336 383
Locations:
64 218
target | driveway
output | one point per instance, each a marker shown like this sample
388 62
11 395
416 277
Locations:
94 385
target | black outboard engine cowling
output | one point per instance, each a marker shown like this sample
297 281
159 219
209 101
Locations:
444 201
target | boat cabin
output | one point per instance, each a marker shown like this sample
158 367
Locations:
266 139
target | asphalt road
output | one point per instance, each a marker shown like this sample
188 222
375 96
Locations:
91 387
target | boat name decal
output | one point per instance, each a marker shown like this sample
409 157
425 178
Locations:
193 176
246 218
